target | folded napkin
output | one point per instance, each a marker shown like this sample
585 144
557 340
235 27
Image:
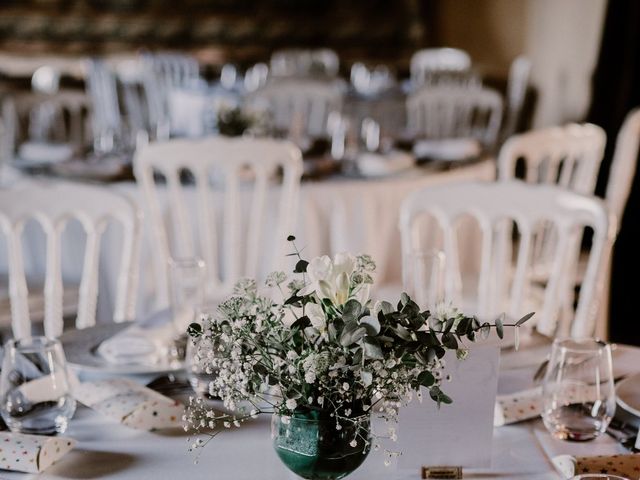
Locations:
31 453
140 344
528 404
131 404
448 149
378 165
41 152
518 407
622 465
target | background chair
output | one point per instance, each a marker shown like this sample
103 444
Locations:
240 226
504 283
301 63
568 156
53 206
299 106
445 112
430 62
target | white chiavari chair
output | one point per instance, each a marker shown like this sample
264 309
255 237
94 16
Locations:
569 156
300 62
504 283
299 104
446 112
53 205
517 85
429 61
230 217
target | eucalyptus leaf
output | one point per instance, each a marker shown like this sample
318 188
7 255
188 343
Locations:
524 319
372 348
301 266
485 330
402 332
449 341
426 378
371 323
500 327
194 330
448 325
351 310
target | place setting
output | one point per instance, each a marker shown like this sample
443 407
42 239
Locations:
312 240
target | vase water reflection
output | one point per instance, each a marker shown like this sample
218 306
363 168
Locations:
315 446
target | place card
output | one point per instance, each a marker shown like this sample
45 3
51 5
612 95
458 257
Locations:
131 404
459 434
31 453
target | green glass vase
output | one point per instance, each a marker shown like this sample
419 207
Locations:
315 446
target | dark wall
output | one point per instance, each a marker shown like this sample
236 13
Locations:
616 90
242 31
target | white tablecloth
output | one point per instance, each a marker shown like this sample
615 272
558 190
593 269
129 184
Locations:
109 450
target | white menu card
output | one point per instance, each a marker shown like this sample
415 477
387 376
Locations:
459 434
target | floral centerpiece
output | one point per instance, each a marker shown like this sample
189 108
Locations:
322 359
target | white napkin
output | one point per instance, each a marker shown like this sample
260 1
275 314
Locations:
449 149
378 165
40 152
131 404
528 404
140 344
627 466
31 453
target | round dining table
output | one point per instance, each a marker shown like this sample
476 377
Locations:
109 450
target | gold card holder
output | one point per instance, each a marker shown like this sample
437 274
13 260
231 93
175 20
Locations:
441 472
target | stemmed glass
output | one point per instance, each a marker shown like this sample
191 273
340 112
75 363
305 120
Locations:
578 390
35 387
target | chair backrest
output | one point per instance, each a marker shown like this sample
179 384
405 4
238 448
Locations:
505 283
623 165
441 112
299 101
229 217
428 61
517 84
52 205
301 62
569 156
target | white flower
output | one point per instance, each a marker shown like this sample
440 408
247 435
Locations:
291 404
316 316
345 386
310 376
343 263
362 293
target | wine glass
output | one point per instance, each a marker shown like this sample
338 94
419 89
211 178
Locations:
423 277
578 390
199 355
187 276
35 387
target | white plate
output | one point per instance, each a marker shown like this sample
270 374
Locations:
628 394
81 350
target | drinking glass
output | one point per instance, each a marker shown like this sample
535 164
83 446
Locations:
187 278
198 357
578 390
35 388
423 277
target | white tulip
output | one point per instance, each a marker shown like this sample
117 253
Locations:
343 263
320 268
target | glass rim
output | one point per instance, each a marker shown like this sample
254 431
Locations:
32 344
582 345
186 262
